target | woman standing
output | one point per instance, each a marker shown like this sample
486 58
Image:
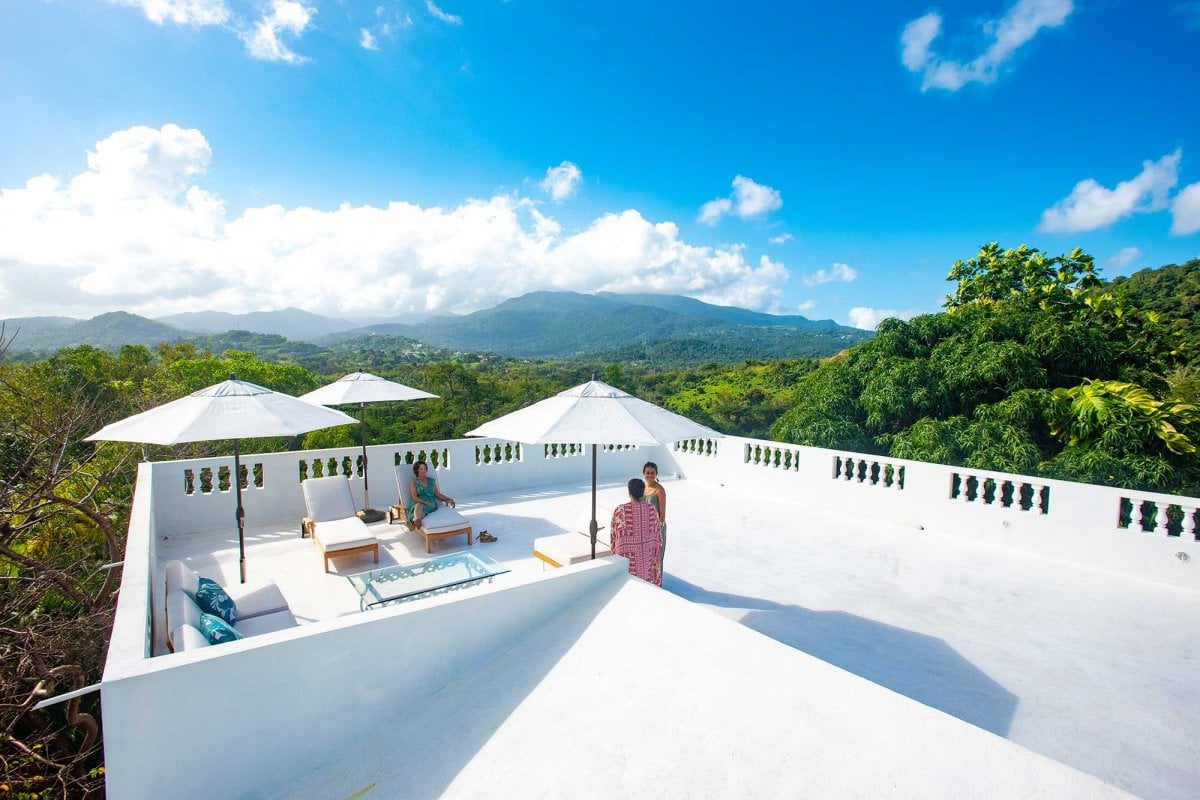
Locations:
656 495
425 494
636 534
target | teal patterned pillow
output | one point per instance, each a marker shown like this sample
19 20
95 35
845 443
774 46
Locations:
212 599
217 630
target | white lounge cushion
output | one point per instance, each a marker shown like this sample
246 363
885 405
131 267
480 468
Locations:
328 498
266 623
185 638
443 520
251 599
182 610
569 548
181 578
341 534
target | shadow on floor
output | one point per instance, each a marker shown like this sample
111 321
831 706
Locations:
917 666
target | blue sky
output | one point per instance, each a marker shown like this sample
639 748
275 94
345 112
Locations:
385 158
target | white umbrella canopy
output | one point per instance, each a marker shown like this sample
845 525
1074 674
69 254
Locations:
597 414
363 388
230 409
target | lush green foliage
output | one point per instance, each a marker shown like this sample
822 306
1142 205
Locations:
1033 368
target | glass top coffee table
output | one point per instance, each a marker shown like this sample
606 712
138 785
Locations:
393 584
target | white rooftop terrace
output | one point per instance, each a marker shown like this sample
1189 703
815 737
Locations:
1060 628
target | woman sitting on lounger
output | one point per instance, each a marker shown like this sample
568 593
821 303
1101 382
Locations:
635 534
425 494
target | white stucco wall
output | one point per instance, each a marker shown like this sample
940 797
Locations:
1081 523
231 720
279 498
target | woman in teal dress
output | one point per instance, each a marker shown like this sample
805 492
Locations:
425 494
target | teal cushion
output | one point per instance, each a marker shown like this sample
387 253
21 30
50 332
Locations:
212 599
217 630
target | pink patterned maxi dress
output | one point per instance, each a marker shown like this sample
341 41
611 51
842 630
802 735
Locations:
636 535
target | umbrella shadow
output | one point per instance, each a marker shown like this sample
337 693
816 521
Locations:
923 668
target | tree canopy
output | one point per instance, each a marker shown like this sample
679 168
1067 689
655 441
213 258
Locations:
1036 366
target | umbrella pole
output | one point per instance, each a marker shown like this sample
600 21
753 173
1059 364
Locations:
368 514
240 514
593 527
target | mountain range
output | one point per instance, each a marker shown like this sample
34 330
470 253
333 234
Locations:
536 325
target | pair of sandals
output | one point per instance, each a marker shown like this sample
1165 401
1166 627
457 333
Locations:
484 536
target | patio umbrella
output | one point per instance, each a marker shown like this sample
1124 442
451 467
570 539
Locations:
597 413
363 388
230 409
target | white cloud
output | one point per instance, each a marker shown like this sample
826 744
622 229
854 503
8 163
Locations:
561 181
869 318
389 23
1185 210
712 211
137 231
748 200
807 305
1091 206
837 272
1124 257
781 239
449 19
262 37
263 40
182 12
1003 35
754 199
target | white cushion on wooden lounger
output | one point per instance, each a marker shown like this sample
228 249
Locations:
444 519
568 548
340 534
332 521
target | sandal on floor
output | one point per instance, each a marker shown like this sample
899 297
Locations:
484 536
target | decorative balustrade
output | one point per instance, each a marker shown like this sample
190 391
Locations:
436 458
868 471
774 456
202 481
1150 514
614 448
1113 528
999 493
497 453
699 447
562 450
323 467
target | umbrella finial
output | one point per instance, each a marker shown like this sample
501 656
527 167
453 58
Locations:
232 377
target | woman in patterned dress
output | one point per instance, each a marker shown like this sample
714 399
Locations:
636 534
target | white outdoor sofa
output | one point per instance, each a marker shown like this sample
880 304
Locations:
261 608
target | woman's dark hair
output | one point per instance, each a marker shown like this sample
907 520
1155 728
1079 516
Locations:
649 464
418 464
637 488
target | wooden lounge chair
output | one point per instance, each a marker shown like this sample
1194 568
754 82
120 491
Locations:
440 524
332 521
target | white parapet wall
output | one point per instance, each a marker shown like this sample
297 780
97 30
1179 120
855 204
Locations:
1142 533
197 495
241 715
